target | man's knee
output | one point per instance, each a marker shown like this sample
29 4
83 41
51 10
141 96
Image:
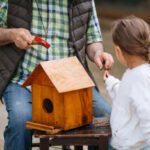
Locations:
18 118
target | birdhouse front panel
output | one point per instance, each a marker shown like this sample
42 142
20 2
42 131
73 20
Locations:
47 106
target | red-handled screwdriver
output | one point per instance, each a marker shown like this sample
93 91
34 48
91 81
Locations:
38 40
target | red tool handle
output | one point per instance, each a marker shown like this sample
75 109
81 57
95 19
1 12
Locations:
41 41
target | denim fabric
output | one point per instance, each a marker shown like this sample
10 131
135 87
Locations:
101 107
19 108
145 148
111 148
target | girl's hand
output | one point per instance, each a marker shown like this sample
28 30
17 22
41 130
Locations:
105 76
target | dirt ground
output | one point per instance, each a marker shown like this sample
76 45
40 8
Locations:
116 70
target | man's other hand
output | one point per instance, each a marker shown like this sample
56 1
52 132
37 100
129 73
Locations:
103 60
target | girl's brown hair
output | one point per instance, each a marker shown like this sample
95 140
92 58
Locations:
132 35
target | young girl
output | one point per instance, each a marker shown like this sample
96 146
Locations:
130 117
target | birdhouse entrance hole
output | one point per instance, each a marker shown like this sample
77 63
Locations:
48 105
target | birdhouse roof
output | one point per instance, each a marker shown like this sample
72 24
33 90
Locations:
65 75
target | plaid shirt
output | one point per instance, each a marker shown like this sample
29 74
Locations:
54 15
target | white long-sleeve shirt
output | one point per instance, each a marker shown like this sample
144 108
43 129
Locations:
130 117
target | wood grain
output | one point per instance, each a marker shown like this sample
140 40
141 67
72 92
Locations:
66 89
78 108
41 127
65 74
38 76
35 42
39 93
89 131
70 110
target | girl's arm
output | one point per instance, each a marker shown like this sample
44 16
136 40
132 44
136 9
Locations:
112 85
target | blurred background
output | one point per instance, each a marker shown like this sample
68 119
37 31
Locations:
116 8
108 11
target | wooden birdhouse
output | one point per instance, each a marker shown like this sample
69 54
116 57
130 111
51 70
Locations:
61 94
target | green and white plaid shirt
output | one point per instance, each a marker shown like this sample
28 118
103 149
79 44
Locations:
53 13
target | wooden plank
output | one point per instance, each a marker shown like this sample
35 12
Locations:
103 143
99 143
78 148
44 144
89 131
78 141
38 125
32 125
93 134
41 127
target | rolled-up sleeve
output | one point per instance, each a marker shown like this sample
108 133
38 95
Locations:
3 13
94 31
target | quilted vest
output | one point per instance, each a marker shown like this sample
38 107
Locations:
20 16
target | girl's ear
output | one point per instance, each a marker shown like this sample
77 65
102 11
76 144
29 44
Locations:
118 49
120 55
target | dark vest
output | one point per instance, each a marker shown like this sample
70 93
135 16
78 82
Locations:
20 16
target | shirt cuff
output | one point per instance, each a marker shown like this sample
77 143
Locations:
111 80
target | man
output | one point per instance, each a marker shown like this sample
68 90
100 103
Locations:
70 26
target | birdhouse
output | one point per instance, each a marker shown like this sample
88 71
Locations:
61 94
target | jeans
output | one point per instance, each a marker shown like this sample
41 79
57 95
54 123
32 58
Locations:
19 108
101 107
145 148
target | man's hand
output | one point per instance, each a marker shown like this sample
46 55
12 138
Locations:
21 37
103 60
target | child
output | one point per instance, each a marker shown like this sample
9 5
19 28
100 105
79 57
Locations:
130 117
